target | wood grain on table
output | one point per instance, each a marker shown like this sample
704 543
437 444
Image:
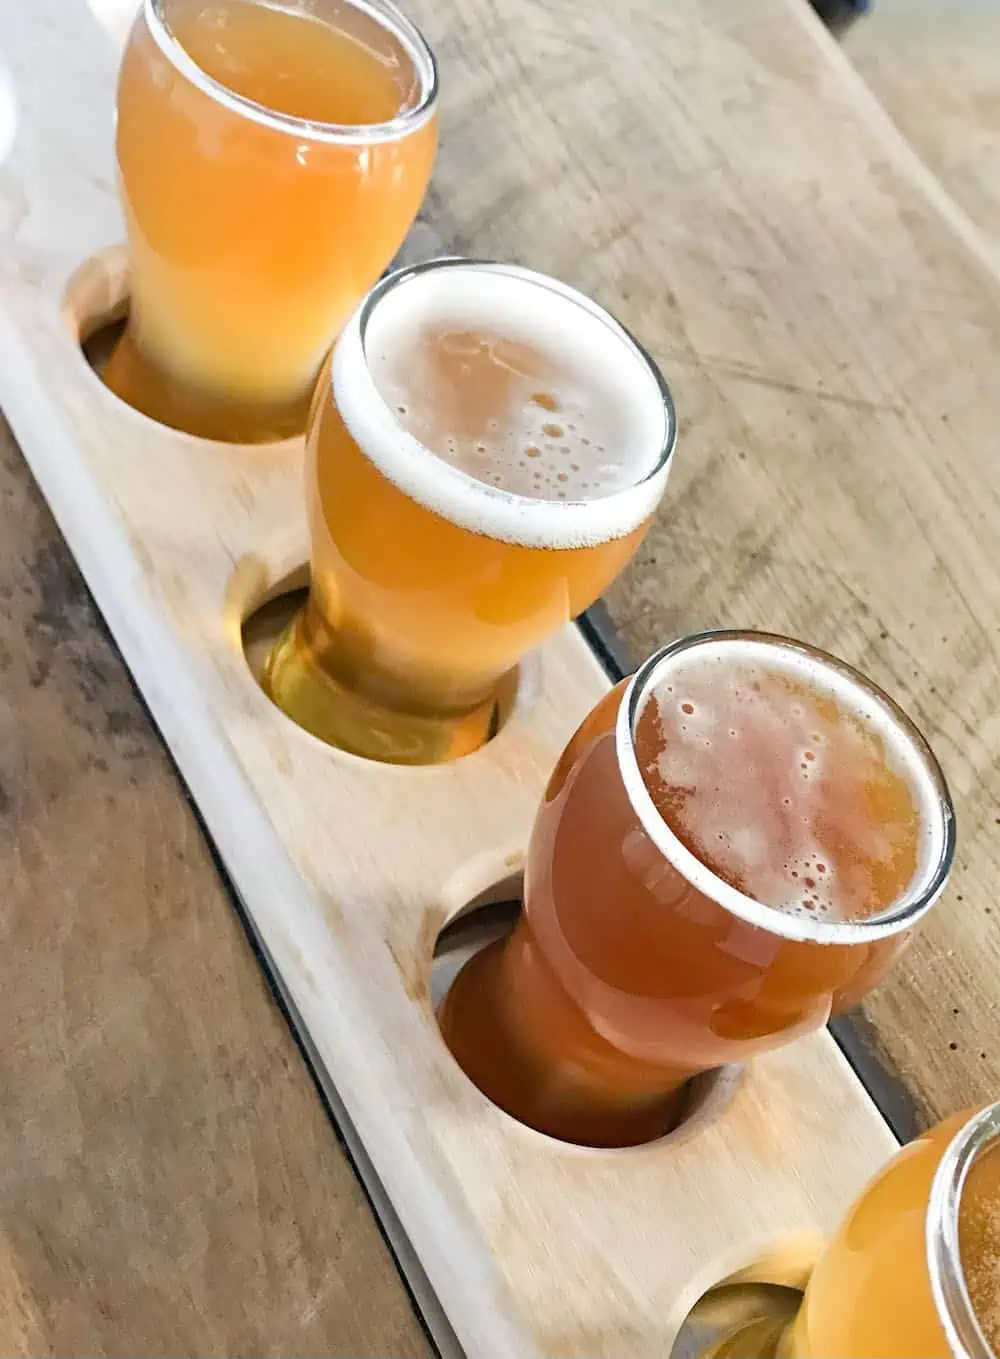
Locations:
710 171
935 65
170 1181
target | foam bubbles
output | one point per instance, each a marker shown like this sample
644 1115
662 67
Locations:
494 372
786 780
471 390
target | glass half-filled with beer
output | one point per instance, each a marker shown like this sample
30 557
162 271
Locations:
483 460
272 155
733 847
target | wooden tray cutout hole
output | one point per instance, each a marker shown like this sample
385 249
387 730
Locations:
491 915
95 304
270 616
95 312
265 618
742 1314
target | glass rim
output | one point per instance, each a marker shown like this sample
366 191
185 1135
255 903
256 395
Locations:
944 1260
526 506
913 905
383 12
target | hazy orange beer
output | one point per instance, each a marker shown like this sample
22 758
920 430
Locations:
483 460
271 156
914 1270
733 846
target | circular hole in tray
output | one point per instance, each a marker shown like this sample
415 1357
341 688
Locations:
95 304
266 617
748 1308
95 311
491 916
736 1321
262 628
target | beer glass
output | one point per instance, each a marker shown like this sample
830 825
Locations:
734 846
912 1273
482 461
272 155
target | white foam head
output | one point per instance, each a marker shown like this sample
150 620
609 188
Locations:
549 480
662 680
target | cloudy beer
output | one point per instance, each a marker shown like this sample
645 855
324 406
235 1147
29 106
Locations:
913 1271
732 848
271 158
482 462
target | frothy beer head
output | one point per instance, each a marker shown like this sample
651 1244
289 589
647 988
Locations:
506 403
791 783
979 1236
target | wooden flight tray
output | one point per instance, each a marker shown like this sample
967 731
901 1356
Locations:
514 1244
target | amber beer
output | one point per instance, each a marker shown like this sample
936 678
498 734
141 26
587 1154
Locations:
271 158
914 1270
482 462
733 847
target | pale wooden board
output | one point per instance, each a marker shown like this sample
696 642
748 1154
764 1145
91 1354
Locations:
349 869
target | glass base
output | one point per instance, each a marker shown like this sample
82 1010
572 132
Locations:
761 1338
127 373
313 699
475 1018
740 1321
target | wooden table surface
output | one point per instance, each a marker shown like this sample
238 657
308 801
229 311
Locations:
934 65
169 1180
712 172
